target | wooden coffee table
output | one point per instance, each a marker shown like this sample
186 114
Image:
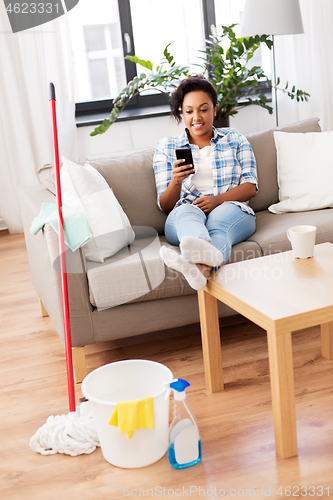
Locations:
280 294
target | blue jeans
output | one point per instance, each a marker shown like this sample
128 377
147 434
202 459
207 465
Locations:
224 226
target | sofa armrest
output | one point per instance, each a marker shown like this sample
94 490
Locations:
44 267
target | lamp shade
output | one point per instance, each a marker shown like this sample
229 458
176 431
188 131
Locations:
271 17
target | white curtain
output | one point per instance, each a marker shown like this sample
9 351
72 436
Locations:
29 61
306 60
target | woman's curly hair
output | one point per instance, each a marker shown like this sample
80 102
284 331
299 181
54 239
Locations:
191 84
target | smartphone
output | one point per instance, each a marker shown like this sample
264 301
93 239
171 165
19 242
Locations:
185 154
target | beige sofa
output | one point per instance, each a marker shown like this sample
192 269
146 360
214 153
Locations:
103 305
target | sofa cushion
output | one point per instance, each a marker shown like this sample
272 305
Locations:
132 180
271 232
135 274
244 251
305 171
265 153
138 274
85 189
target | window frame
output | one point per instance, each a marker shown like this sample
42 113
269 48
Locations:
93 112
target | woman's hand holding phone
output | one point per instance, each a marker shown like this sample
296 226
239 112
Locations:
180 171
183 166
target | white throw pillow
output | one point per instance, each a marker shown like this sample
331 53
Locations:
86 190
305 171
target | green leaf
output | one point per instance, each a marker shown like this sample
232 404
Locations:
167 54
142 62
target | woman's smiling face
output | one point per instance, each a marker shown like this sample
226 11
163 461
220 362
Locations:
198 113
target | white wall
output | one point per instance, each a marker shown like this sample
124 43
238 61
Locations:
139 134
126 136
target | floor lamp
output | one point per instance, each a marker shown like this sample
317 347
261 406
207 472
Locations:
272 17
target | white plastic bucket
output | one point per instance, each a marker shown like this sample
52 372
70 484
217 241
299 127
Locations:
125 381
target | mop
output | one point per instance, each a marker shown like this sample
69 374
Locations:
75 433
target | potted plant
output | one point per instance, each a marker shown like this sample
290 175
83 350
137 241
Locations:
226 62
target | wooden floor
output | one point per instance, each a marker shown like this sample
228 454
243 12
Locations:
236 425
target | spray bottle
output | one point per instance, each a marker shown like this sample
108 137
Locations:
184 439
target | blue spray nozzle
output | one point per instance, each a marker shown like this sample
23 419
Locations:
179 384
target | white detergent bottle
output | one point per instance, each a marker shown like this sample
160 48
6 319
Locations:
184 439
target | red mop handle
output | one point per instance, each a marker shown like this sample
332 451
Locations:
61 243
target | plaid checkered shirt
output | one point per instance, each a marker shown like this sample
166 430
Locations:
233 163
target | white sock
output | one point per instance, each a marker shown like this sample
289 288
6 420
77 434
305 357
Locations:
200 251
176 261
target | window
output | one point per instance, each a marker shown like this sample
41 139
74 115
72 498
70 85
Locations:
104 59
99 68
105 31
177 21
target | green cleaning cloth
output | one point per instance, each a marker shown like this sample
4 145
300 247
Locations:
76 227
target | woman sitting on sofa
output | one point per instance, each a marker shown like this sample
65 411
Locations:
207 205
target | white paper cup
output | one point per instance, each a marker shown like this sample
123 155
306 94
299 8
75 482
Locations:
302 239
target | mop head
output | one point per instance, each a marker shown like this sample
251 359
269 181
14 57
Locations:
73 434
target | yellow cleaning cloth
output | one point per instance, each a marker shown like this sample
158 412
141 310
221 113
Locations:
129 416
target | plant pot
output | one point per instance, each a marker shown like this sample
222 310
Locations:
222 122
